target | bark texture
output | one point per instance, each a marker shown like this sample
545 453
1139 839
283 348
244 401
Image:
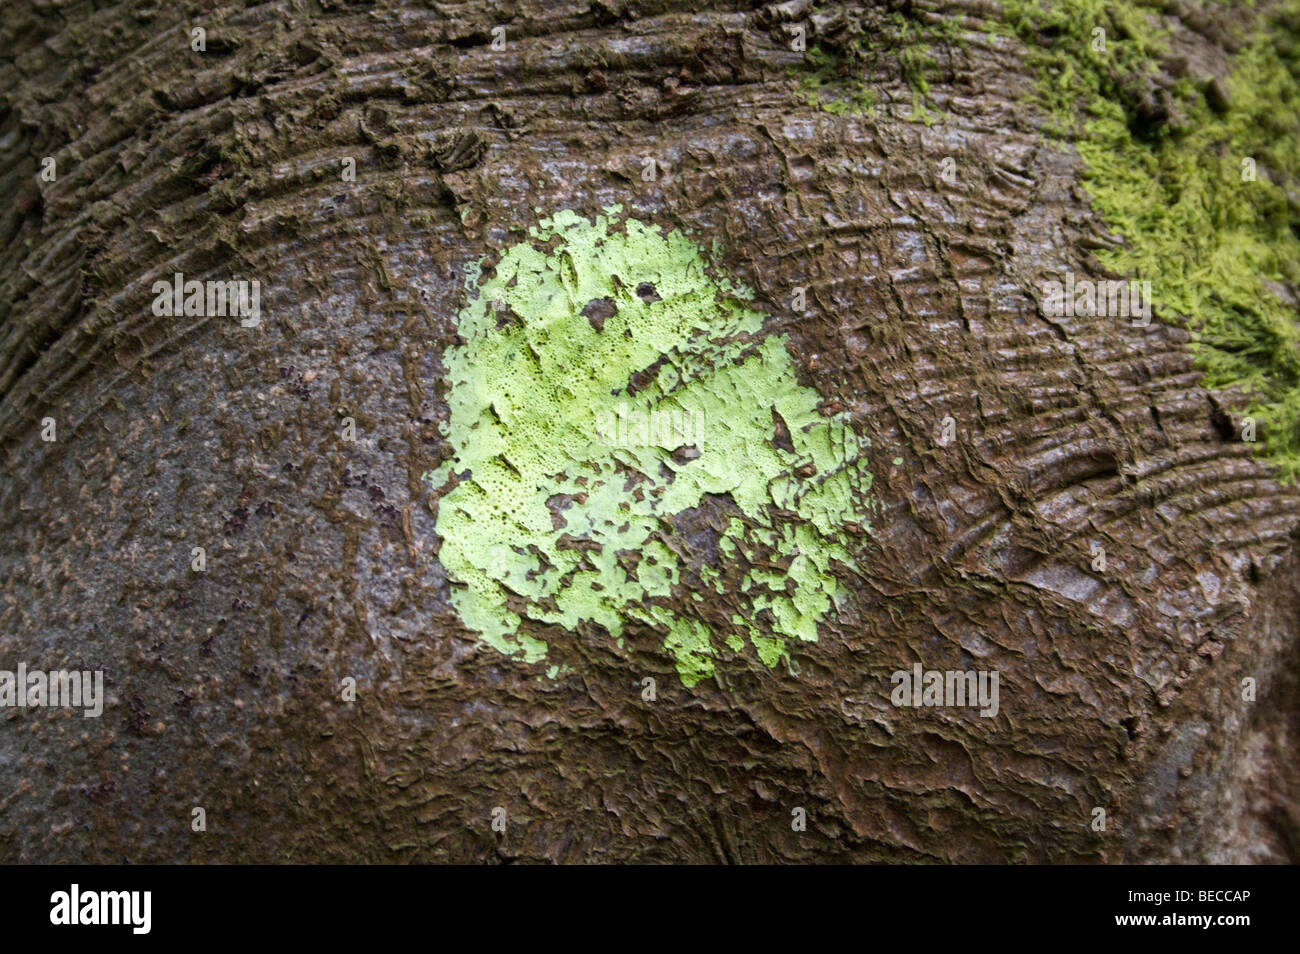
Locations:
1120 689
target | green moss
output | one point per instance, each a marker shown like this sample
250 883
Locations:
835 80
1173 190
550 489
822 84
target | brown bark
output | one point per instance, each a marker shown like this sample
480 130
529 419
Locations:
1120 690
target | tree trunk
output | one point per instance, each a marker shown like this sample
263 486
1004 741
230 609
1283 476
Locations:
312 455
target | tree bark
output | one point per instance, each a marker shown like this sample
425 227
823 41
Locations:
1121 690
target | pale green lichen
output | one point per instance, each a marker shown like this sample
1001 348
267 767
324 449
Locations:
539 509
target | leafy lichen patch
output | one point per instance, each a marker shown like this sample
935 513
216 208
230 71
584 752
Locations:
540 504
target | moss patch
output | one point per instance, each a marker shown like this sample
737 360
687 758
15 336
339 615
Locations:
1164 162
837 70
549 517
